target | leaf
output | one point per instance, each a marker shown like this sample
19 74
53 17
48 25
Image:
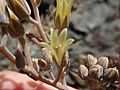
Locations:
63 36
54 39
68 42
60 53
69 6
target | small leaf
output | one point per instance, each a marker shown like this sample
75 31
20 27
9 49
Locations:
63 36
69 6
60 54
54 39
68 42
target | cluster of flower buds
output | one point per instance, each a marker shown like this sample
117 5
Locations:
97 69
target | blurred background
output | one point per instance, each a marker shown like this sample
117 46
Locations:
95 26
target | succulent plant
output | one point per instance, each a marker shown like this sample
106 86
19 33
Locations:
58 45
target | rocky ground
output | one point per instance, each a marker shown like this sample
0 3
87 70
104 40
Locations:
95 26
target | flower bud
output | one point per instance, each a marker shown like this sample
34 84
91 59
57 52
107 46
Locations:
20 8
3 15
43 65
111 75
47 55
83 71
103 61
62 13
15 27
91 60
96 71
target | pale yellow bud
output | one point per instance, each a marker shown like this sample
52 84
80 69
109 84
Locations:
83 71
111 75
103 61
91 60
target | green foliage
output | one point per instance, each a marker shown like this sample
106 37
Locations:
59 45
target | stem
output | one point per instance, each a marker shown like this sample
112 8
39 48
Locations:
7 54
94 85
28 69
59 75
37 17
61 70
35 75
51 74
33 21
39 28
62 77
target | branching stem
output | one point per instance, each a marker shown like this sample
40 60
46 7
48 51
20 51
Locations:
38 21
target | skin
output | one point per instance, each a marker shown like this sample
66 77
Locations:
10 80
